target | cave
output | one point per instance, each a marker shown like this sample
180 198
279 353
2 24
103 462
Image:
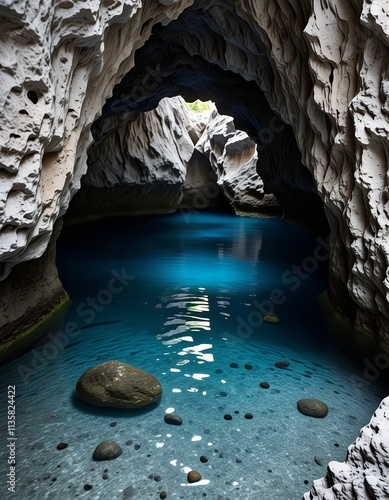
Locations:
96 136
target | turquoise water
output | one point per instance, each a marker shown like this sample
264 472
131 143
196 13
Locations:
184 298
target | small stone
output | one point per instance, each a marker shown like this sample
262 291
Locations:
227 416
113 424
249 416
312 407
281 364
271 318
248 366
137 446
194 476
62 446
318 460
203 459
163 495
264 385
107 450
87 487
172 419
104 475
234 365
129 442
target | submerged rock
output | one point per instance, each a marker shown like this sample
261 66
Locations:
282 364
172 419
271 318
194 476
107 450
312 407
118 385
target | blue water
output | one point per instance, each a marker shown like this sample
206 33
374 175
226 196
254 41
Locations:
184 298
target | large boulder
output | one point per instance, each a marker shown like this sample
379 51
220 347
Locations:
118 385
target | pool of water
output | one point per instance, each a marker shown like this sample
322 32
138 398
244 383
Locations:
184 298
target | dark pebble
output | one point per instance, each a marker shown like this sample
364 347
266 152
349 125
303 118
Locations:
129 442
249 416
336 444
236 412
318 460
281 364
137 446
306 481
163 495
227 416
312 408
113 424
194 476
87 487
172 419
223 394
62 446
203 459
238 461
218 371
248 366
107 450
105 476
234 365
264 385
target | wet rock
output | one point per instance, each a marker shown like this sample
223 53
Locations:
248 366
163 495
234 365
227 416
62 446
312 407
271 318
104 475
264 385
118 385
129 442
318 460
194 476
87 487
203 459
281 364
107 450
249 416
172 419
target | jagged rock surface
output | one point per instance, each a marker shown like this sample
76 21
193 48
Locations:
364 474
233 156
139 165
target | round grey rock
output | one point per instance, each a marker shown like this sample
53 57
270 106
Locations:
118 385
312 407
107 450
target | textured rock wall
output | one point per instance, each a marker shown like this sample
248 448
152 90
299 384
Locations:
139 165
364 474
233 156
59 62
